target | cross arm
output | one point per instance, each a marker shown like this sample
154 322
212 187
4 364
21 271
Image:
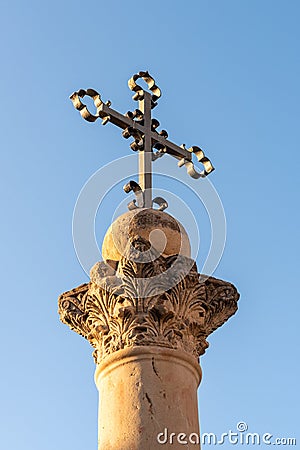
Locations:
183 155
108 114
158 141
137 130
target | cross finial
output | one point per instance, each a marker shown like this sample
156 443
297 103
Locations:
150 143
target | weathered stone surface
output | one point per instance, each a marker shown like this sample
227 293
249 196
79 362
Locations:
142 392
163 303
167 236
148 321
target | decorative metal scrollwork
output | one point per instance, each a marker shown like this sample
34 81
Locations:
161 151
136 115
139 91
188 163
161 202
137 190
82 108
139 201
138 136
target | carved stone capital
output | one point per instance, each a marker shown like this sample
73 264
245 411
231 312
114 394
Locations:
162 302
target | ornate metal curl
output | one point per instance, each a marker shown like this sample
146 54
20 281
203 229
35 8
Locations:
136 189
139 201
139 91
82 108
161 202
188 163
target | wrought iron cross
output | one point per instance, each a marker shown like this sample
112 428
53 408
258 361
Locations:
143 128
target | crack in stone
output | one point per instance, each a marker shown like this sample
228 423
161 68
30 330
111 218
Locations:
154 369
150 404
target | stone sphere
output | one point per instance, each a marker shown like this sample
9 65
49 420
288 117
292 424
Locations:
166 235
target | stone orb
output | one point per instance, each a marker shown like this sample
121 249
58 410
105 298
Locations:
165 234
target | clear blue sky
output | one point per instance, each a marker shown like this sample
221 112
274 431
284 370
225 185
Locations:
230 72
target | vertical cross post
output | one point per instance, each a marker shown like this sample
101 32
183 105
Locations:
145 155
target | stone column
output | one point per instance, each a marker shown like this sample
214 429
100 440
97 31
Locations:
148 316
147 312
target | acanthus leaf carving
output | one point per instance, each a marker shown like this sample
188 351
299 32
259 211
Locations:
147 303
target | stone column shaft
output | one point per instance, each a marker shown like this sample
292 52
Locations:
147 399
